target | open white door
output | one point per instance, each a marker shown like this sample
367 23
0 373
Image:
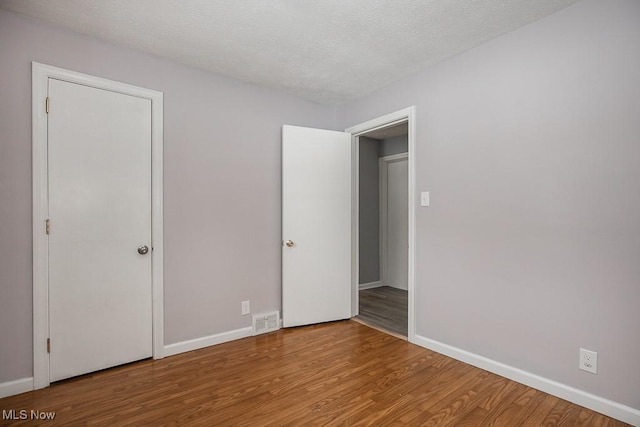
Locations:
316 226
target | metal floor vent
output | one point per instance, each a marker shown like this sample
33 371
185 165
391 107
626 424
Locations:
268 322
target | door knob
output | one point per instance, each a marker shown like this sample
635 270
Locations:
289 243
142 250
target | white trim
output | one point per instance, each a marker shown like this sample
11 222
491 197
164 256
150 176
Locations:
394 158
370 285
382 217
40 214
40 76
579 397
355 228
387 120
408 115
11 388
197 343
378 123
383 167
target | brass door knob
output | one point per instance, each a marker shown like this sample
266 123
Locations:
289 243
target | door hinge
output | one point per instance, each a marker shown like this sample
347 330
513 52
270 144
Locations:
47 226
48 345
46 104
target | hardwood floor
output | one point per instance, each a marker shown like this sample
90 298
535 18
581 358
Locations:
385 308
340 373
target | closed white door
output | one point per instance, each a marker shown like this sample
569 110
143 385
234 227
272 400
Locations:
397 251
99 154
316 226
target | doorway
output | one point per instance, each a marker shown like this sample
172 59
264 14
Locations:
383 283
383 229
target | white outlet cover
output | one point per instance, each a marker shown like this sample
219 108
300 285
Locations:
246 307
588 361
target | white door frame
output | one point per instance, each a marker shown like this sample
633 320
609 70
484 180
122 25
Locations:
40 76
405 115
383 167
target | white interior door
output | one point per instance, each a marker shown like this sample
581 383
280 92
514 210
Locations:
397 224
316 224
99 155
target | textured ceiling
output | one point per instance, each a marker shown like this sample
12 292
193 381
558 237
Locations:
329 51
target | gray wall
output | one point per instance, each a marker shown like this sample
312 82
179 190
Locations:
396 145
222 184
530 147
369 213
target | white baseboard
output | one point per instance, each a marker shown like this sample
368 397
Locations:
11 388
370 285
194 344
23 385
599 404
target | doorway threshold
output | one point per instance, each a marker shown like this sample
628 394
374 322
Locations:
378 328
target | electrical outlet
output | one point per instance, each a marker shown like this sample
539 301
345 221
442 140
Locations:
246 307
588 361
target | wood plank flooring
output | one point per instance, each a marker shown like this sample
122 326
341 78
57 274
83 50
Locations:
334 374
385 308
